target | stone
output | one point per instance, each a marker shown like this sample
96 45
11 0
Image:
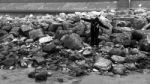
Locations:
72 41
8 37
144 45
135 58
29 40
121 29
2 34
7 27
60 33
39 59
45 39
146 27
79 28
26 28
118 59
15 31
41 76
51 47
130 66
119 69
139 22
32 74
134 51
121 23
116 51
54 26
36 34
87 53
121 38
103 64
137 35
8 62
106 22
67 25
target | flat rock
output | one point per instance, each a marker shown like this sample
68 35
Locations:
118 59
103 64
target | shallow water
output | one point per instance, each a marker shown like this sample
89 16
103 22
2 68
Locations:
20 77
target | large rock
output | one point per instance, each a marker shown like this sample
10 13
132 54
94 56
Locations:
121 29
136 57
15 31
2 34
139 22
54 26
79 28
130 66
36 34
118 59
119 69
103 64
117 51
51 47
26 28
7 27
106 22
72 41
121 38
138 35
144 45
60 33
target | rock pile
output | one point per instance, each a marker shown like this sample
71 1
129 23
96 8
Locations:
61 43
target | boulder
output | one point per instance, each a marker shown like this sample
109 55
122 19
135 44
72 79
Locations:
36 34
79 28
103 64
26 28
121 38
119 69
51 47
60 33
118 59
117 51
2 34
144 45
139 22
9 62
72 41
136 57
130 66
15 31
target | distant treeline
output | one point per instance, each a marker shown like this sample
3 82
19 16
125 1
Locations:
39 1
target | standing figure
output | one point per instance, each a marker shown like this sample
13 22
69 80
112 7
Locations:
96 24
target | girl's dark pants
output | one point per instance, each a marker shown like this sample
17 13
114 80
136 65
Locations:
94 35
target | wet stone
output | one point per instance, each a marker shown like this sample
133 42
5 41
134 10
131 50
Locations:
119 69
